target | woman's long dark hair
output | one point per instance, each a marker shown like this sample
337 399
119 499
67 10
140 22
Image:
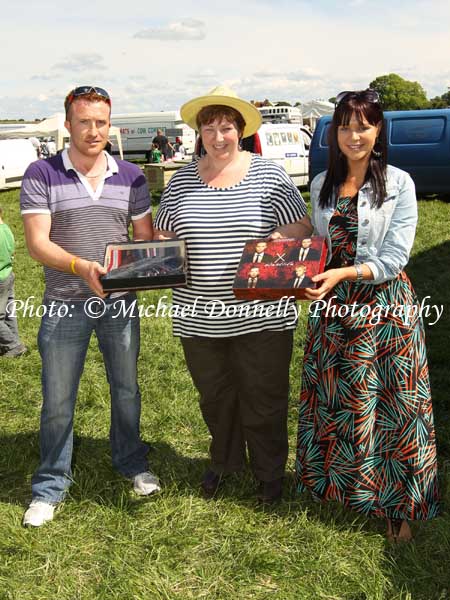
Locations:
337 170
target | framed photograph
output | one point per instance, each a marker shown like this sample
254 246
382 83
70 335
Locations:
144 265
271 269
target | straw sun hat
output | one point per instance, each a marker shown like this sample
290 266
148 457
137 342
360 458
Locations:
224 96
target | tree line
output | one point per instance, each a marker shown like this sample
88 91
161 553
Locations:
396 93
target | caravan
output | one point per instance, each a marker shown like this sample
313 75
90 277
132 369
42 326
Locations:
15 156
139 129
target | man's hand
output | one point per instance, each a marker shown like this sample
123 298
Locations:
91 271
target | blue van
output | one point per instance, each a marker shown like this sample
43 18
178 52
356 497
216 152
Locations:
418 142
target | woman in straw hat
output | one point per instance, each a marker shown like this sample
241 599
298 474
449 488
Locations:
238 357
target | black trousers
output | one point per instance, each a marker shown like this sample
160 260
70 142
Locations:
243 383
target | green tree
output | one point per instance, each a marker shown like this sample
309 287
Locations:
283 103
397 93
441 101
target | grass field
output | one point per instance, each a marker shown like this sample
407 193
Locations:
106 543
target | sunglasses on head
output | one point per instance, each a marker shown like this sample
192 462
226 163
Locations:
83 90
369 95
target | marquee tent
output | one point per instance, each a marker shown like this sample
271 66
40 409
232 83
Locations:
54 127
313 110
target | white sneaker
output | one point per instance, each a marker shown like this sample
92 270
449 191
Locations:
146 483
38 513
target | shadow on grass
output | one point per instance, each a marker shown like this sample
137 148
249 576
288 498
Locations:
412 568
430 277
93 473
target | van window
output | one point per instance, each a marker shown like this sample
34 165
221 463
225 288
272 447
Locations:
324 138
295 137
276 138
269 139
283 137
289 137
417 131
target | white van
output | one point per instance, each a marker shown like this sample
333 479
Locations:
139 129
15 156
285 144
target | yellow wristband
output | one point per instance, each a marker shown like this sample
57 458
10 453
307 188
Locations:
72 265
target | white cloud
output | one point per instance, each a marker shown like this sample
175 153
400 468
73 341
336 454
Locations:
306 50
188 29
81 62
44 77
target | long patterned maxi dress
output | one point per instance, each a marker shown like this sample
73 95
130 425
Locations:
366 435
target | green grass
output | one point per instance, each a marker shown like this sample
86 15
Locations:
106 543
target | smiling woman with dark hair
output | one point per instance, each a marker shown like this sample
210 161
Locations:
366 435
238 362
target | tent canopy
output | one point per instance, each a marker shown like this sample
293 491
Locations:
317 108
54 127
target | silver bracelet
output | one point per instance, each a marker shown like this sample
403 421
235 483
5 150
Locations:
359 273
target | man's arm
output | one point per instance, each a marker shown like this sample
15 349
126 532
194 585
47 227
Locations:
41 248
143 228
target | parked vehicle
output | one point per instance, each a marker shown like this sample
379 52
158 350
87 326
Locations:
15 156
281 114
139 129
418 142
283 143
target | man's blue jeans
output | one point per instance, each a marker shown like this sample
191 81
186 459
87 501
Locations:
63 342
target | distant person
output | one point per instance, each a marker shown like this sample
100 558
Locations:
51 146
73 205
163 144
179 148
10 344
155 153
43 151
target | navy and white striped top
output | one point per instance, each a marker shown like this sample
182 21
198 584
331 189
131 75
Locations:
216 223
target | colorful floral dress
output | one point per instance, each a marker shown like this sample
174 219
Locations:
366 435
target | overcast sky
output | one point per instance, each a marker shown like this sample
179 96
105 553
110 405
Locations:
156 55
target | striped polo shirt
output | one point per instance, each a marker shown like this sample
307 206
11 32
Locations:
83 222
215 224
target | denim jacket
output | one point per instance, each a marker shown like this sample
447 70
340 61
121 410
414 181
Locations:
385 234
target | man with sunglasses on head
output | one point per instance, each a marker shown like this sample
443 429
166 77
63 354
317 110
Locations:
73 204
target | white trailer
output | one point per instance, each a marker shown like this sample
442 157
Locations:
139 129
15 156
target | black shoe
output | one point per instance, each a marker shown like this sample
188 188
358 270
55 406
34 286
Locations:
210 483
270 492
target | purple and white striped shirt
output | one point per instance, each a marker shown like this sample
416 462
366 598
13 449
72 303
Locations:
83 222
